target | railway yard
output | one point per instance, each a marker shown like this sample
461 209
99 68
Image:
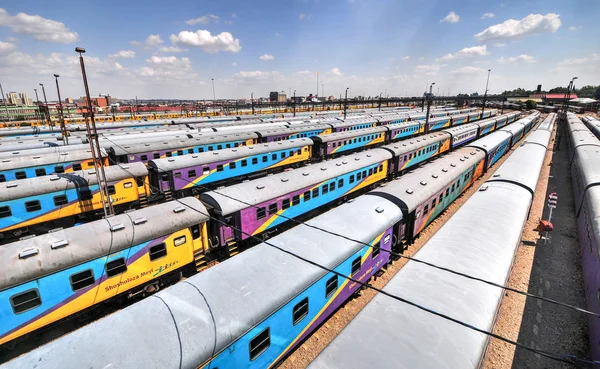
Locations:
386 238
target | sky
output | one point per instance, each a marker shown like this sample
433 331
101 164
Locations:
166 49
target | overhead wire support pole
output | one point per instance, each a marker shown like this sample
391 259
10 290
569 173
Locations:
94 144
428 104
61 118
4 101
485 93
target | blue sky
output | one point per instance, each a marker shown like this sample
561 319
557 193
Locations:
167 49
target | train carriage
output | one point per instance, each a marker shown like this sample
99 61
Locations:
38 205
435 124
193 173
409 153
343 142
397 131
53 276
473 116
486 126
593 124
291 194
460 119
22 167
462 134
352 124
391 119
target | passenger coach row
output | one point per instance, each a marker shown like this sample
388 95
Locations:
37 205
255 324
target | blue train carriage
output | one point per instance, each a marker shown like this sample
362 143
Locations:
191 174
239 313
143 152
32 166
340 143
397 131
351 124
486 126
293 132
391 119
436 124
425 193
410 153
460 119
38 205
54 276
267 203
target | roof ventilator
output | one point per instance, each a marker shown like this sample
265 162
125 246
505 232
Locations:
117 227
28 253
179 209
139 221
58 244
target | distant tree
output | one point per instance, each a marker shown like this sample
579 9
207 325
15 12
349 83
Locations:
461 99
474 94
586 91
530 104
558 90
597 93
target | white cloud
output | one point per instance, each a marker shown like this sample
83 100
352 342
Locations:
518 59
304 16
513 29
335 72
234 64
167 67
126 54
277 34
6 47
488 15
266 57
575 28
467 52
172 49
233 15
205 19
429 70
254 77
593 58
406 57
452 17
151 41
467 70
38 27
421 58
499 44
224 41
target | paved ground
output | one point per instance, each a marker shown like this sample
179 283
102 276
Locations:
551 270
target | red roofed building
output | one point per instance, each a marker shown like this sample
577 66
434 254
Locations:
557 97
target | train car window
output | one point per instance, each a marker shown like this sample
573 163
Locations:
356 263
300 311
260 213
285 204
111 189
273 208
164 177
191 173
282 155
376 250
116 267
195 231
381 167
265 158
5 211
426 209
341 183
447 192
306 196
168 154
298 152
232 165
2 178
355 140
40 172
371 171
201 149
25 301
85 194
219 147
190 151
292 153
33 206
458 183
405 157
156 155
332 186
82 280
244 163
176 175
20 175
219 167
331 286
452 187
273 156
358 176
364 174
315 193
334 144
210 148
144 157
433 203
295 200
352 178
260 344
59 169
228 146
254 160
324 189
76 166
157 251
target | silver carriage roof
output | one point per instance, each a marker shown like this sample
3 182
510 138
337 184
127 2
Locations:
193 140
220 304
63 181
415 143
21 151
66 248
352 122
257 191
192 160
45 159
417 186
264 132
461 129
350 134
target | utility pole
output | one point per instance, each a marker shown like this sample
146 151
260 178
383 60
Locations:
346 102
214 97
137 106
94 144
380 101
47 109
4 101
568 96
37 101
294 103
317 84
252 101
428 104
503 100
485 93
62 115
